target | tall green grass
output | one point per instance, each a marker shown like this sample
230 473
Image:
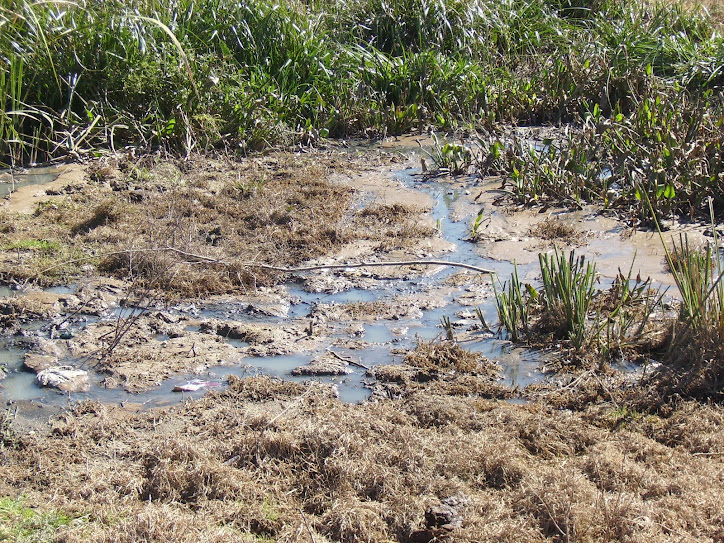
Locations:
190 74
568 289
567 307
696 348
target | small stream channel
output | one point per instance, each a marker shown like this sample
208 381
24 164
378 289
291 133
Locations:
384 338
12 181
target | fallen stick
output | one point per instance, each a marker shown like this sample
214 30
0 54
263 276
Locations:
211 260
348 360
335 266
373 264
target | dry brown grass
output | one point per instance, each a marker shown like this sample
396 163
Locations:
713 7
280 461
278 210
393 226
445 356
554 228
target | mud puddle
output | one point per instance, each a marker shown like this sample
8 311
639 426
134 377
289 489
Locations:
13 181
326 326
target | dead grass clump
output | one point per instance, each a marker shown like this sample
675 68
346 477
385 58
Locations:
562 501
612 471
102 171
693 426
483 385
183 472
259 389
565 438
366 309
7 224
492 462
554 228
109 211
388 214
433 411
437 357
394 226
156 268
160 523
354 521
440 376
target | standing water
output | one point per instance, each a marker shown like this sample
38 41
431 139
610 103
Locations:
383 341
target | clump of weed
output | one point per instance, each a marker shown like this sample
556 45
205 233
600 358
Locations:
101 172
567 292
695 352
568 307
636 162
444 356
555 228
450 157
177 472
8 437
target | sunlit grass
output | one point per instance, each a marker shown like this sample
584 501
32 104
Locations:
81 76
21 523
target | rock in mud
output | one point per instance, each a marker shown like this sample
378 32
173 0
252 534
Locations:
327 284
40 345
324 365
232 331
65 378
39 362
440 521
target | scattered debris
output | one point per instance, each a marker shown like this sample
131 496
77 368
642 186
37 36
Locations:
194 385
65 378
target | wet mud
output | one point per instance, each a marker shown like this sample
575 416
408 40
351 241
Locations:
310 324
354 404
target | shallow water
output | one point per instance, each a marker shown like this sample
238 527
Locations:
382 337
37 176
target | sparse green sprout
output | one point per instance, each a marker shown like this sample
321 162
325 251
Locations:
475 232
448 328
513 306
19 522
42 246
451 158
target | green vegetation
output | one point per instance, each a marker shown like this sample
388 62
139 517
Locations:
606 324
7 435
43 246
190 75
666 150
513 306
452 158
23 524
568 289
697 343
567 307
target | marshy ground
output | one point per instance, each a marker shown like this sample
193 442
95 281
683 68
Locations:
448 447
197 391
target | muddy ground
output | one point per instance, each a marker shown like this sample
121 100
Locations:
445 447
